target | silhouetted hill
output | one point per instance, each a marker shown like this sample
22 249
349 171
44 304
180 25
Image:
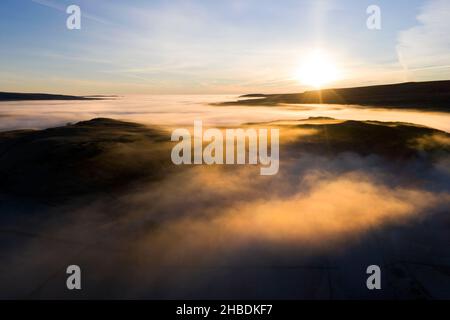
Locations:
421 95
253 95
17 96
87 157
395 141
103 154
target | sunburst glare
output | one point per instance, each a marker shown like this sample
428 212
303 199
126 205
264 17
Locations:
317 69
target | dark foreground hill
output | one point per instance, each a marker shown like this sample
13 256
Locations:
87 157
423 95
102 155
349 194
18 96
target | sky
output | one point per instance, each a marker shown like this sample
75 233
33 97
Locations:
216 47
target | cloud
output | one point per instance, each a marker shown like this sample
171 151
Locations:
423 49
50 4
176 236
332 212
62 8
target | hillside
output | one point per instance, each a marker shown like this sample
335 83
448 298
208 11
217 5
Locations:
422 95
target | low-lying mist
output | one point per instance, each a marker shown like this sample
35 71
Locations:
227 232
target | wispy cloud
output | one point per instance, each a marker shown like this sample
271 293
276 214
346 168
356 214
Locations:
61 7
50 4
424 48
238 46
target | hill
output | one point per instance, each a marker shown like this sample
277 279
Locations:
18 96
433 95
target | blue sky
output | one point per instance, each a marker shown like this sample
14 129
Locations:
234 46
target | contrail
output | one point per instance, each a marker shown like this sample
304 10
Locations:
62 8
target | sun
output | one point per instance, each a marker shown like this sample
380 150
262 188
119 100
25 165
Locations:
317 69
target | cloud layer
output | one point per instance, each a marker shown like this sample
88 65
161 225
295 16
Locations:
423 49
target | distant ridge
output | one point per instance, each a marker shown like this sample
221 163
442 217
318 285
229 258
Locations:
428 95
17 96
